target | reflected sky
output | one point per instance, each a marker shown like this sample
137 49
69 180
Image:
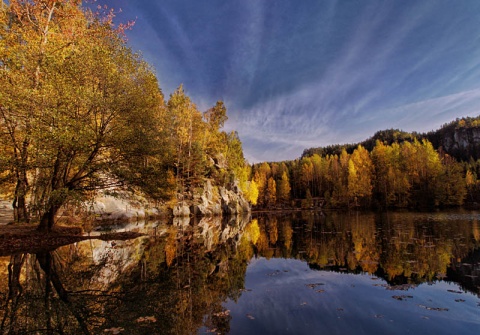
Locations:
285 296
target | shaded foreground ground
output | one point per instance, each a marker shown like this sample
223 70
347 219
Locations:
26 238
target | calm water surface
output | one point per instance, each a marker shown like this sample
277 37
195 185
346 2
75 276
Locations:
306 273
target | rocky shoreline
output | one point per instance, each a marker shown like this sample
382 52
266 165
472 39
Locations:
211 201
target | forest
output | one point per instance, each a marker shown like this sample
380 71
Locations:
400 170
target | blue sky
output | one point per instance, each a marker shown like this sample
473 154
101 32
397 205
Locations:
299 74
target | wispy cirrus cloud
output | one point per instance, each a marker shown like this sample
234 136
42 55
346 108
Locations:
311 73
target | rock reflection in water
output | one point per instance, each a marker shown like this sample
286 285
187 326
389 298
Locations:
162 283
177 278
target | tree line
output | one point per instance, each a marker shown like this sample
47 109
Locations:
410 174
80 112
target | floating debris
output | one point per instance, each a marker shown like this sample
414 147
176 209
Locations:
459 300
320 291
453 291
438 309
146 319
250 316
402 297
274 273
378 316
314 286
303 303
404 287
222 314
339 309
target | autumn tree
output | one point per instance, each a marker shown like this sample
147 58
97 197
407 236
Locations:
214 138
271 192
78 107
283 188
360 169
261 175
423 167
451 190
187 133
338 179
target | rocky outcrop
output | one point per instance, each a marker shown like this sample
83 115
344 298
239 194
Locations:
209 201
233 202
206 202
215 201
125 209
462 143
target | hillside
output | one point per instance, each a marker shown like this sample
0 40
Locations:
459 138
392 169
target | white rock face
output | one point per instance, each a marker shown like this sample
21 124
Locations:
110 208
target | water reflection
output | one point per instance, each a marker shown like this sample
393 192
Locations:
177 277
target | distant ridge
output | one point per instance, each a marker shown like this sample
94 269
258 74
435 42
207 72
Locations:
459 138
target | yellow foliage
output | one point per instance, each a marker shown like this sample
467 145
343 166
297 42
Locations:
171 246
252 231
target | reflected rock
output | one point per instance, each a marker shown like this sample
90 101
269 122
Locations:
181 221
181 211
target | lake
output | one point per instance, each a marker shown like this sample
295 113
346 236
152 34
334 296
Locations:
297 273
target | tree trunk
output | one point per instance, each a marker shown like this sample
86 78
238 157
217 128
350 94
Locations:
20 212
47 220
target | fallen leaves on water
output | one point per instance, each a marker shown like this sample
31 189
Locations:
146 319
222 314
